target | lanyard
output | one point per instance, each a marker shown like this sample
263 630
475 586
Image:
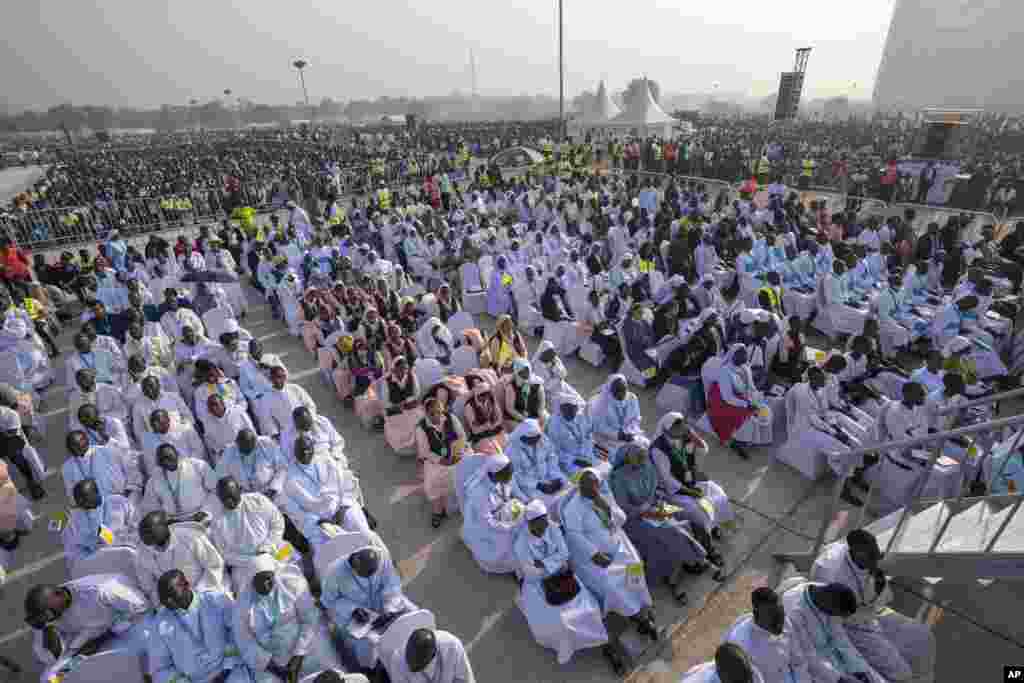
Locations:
175 490
829 641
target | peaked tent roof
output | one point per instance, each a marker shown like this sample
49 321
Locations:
603 108
643 110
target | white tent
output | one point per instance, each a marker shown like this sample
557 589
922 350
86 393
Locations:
601 109
643 116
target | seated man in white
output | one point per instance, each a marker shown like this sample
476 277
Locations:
615 414
362 589
107 363
97 521
256 463
493 515
813 429
212 382
731 665
82 617
182 487
247 530
898 648
115 471
102 430
177 318
860 424
274 409
563 614
281 631
606 561
535 463
154 397
430 655
549 367
818 614
221 425
194 636
165 547
325 437
320 496
106 397
897 475
19 452
182 436
767 637
571 433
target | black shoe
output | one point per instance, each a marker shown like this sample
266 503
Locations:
613 657
647 627
741 451
36 491
850 498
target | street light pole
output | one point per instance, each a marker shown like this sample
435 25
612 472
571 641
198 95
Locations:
561 77
299 65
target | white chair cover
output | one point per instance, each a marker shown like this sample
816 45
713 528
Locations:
112 665
394 639
428 372
464 359
338 548
459 323
109 560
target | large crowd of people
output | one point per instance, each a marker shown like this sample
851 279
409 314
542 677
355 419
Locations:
244 546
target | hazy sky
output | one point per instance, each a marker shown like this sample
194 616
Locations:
148 52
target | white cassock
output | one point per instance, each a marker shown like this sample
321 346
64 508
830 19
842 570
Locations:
108 399
811 430
174 321
326 440
274 409
185 440
777 657
112 523
568 628
896 647
133 388
185 491
898 475
621 587
842 317
283 624
220 432
227 389
262 470
155 347
108 363
143 408
187 550
317 491
99 603
450 664
116 434
114 470
826 647
707 673
198 643
248 535
491 520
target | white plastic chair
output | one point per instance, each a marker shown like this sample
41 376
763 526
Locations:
460 322
109 560
345 678
474 293
339 547
428 305
464 359
592 353
215 319
628 369
810 465
429 372
486 267
394 639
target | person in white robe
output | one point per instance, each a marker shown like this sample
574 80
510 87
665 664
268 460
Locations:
766 635
606 561
281 630
898 648
859 424
535 463
109 364
364 588
102 430
897 476
573 625
320 496
248 529
96 521
813 429
254 372
151 343
115 471
108 399
615 414
194 636
837 303
434 341
183 487
549 367
210 381
81 617
275 408
289 293
166 546
730 665
255 462
571 432
493 515
326 439
431 655
183 437
222 423
960 318
526 293
818 613
177 318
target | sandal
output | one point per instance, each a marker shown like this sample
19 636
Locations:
436 519
679 593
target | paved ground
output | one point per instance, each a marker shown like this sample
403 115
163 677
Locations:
14 180
779 512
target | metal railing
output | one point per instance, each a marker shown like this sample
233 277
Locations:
937 439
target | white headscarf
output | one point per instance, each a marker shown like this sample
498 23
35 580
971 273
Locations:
665 423
605 399
428 346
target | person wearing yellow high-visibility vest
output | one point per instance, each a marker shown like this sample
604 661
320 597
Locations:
658 156
764 167
549 151
806 174
384 198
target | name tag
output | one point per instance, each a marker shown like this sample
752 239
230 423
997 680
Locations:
635 574
106 535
